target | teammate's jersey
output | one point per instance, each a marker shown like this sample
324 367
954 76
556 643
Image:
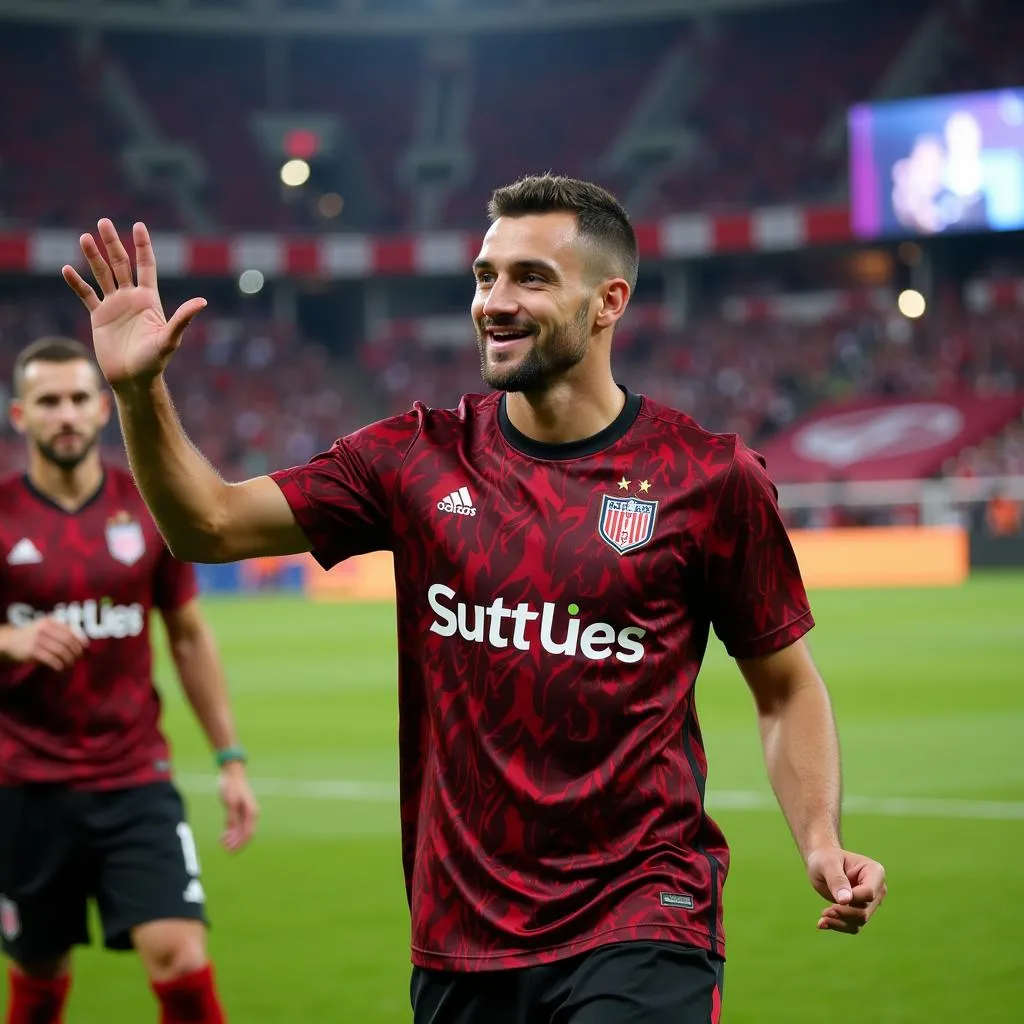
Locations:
554 605
100 569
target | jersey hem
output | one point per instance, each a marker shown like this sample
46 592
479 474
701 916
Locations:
468 963
127 780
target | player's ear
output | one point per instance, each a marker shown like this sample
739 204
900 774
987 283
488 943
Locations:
614 296
16 414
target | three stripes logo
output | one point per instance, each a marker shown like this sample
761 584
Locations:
460 502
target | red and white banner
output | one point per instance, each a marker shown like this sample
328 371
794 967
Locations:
353 256
885 439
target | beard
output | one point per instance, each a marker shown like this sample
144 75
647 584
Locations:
68 459
564 348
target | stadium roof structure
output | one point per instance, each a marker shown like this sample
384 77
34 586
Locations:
364 17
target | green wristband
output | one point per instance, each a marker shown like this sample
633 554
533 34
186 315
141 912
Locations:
229 754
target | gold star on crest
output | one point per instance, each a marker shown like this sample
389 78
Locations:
623 484
645 486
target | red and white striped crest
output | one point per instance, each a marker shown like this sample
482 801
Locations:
626 523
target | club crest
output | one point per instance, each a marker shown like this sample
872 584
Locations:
125 540
626 524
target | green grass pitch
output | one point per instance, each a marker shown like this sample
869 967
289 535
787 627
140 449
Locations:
310 923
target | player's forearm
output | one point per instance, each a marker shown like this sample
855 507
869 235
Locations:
801 750
184 493
202 678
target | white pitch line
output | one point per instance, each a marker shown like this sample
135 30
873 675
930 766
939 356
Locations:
356 791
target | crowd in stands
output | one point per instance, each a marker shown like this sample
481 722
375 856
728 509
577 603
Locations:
254 395
768 88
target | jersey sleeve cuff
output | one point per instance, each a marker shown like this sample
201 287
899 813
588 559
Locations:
775 640
305 516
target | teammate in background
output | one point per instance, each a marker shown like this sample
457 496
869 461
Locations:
562 548
87 806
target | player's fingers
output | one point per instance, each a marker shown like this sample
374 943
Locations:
870 877
97 264
232 822
183 316
52 652
116 252
48 658
83 290
842 927
145 258
846 916
74 639
865 895
250 818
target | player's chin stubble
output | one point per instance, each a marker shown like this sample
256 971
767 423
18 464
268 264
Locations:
69 460
566 347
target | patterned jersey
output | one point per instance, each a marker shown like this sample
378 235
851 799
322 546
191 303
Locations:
100 569
554 606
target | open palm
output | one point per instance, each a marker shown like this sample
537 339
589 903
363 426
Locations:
133 339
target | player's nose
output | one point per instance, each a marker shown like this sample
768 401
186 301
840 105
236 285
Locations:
501 299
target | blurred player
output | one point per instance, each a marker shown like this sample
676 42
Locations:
87 806
562 548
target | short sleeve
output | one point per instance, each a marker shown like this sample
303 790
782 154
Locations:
174 584
758 601
342 498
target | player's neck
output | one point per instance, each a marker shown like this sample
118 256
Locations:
68 488
570 410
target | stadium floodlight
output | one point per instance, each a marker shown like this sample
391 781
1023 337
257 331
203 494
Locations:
250 282
295 173
911 303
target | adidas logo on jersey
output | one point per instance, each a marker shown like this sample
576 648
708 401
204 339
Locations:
24 553
460 502
98 620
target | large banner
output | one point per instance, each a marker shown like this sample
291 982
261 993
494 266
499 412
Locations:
885 439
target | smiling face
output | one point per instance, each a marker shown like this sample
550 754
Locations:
534 301
61 410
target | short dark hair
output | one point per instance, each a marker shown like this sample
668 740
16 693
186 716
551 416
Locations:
600 217
54 349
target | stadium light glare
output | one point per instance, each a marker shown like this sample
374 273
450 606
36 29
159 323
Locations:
295 173
250 282
911 304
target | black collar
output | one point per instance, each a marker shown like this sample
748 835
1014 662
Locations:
33 490
571 449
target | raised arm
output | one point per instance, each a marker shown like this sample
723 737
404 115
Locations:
202 517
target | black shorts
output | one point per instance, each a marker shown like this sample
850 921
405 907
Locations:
129 849
634 982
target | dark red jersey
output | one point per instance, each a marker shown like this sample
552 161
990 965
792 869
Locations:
554 606
101 569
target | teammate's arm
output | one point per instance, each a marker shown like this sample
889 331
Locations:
45 641
201 673
202 518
